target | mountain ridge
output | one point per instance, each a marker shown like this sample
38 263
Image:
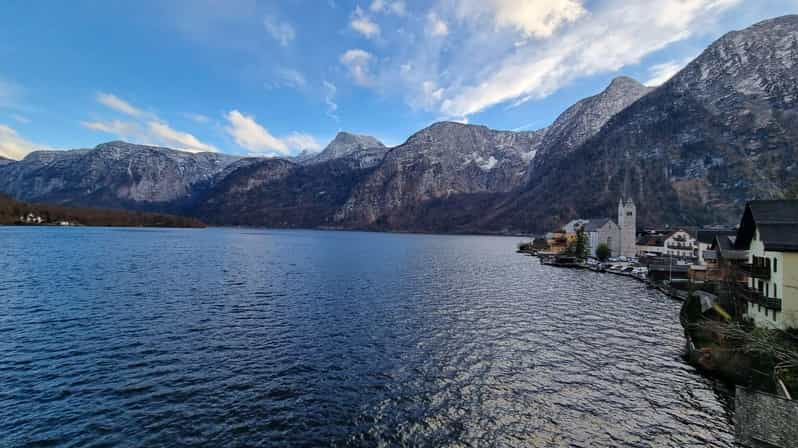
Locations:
723 130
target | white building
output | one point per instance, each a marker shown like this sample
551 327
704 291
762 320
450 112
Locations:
769 232
604 231
705 239
627 222
678 243
574 225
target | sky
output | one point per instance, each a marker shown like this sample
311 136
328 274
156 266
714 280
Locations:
274 78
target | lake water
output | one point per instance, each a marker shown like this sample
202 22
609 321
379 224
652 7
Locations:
229 337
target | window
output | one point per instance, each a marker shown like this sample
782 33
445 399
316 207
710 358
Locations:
767 290
628 213
775 265
774 316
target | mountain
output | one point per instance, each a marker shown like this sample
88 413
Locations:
440 161
303 156
444 177
115 174
721 131
5 161
283 193
345 144
585 118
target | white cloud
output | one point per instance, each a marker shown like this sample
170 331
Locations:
531 18
252 136
20 118
358 62
660 73
118 104
363 24
151 133
431 93
282 32
616 34
329 99
392 7
248 134
184 141
290 77
435 26
298 141
124 129
13 145
197 118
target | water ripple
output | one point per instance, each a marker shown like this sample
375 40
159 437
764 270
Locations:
243 338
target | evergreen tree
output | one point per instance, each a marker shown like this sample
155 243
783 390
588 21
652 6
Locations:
603 252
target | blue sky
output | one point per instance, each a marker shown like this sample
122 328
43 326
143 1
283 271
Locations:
273 78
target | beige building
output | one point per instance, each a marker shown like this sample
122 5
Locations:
769 232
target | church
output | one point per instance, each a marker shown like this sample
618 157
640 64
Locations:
620 237
627 223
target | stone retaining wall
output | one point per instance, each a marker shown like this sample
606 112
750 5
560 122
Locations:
765 420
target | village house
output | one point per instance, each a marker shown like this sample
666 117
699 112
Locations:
620 238
707 267
677 243
704 240
573 226
30 218
559 241
768 234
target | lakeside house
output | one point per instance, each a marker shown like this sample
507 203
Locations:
707 266
573 226
768 239
704 240
30 218
619 237
678 243
559 241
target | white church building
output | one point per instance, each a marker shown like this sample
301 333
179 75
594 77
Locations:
621 238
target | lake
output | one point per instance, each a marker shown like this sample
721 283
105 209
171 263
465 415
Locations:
241 337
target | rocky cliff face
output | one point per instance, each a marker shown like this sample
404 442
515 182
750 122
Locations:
347 145
720 132
114 174
442 160
443 170
585 118
282 193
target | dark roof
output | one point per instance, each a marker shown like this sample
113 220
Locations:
651 240
595 224
777 222
708 236
723 242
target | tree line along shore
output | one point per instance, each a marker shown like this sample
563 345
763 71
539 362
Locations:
13 212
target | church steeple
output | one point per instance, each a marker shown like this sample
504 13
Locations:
627 221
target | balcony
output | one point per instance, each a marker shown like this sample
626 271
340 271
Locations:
759 268
754 296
